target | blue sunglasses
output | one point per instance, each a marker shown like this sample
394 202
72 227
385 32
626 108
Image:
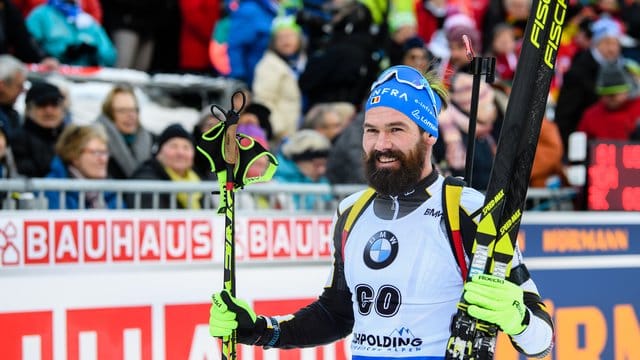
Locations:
408 76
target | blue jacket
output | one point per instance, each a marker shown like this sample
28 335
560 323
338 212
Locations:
59 171
288 172
249 36
68 42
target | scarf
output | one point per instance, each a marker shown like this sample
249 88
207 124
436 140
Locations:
182 197
93 199
128 156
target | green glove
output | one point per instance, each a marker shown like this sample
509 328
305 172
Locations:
228 313
497 301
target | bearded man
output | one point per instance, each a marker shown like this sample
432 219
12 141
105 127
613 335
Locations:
394 280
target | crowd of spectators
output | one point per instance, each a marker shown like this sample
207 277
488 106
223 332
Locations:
307 66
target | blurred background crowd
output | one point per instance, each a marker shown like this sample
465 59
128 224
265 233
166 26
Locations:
306 67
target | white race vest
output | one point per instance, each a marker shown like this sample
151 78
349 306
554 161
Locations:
405 283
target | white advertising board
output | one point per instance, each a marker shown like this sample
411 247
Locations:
135 285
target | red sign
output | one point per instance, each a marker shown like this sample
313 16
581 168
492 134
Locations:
26 335
143 238
115 333
126 333
75 241
613 176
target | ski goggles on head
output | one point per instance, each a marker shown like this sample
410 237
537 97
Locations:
405 89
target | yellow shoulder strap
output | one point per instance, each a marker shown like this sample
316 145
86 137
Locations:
452 193
357 208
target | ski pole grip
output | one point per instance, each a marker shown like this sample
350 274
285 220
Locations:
230 145
231 153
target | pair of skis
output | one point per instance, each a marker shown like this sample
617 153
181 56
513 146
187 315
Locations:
497 231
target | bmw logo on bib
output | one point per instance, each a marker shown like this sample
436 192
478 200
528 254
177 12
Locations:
381 250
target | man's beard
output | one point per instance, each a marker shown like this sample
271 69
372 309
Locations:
396 181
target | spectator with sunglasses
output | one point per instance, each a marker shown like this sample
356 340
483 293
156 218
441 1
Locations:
395 281
33 143
81 153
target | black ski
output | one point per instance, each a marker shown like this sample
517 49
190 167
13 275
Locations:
497 231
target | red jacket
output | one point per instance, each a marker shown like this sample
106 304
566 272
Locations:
91 7
198 18
600 123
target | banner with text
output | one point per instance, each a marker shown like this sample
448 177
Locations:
136 285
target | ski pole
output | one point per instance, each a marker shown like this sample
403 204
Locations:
220 145
479 66
230 155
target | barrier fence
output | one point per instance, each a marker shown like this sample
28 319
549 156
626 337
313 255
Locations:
21 194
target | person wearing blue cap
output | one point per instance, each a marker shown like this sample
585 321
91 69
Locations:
395 281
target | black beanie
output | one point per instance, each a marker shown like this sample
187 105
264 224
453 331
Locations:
172 131
263 114
412 43
613 79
